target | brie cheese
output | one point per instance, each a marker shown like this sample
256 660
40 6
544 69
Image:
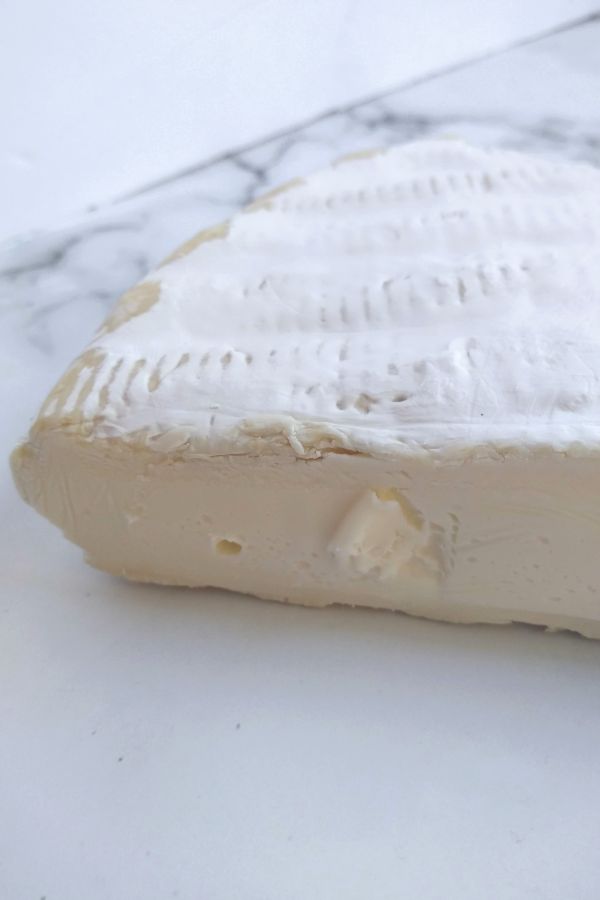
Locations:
378 385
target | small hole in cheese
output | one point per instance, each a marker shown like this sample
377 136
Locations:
228 548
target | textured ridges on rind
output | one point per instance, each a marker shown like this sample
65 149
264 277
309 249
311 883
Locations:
64 405
85 391
104 391
420 188
375 297
443 230
162 370
98 382
301 303
134 371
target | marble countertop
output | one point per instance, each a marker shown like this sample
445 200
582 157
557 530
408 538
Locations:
159 743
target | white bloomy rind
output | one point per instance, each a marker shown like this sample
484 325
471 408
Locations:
422 327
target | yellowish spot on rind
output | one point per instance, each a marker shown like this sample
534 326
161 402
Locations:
133 303
215 233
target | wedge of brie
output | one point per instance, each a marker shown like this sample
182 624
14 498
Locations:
378 385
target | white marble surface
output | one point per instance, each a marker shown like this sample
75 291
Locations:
158 743
98 101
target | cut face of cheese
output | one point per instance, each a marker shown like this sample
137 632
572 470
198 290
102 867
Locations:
379 385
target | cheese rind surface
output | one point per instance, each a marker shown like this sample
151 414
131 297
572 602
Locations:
395 360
